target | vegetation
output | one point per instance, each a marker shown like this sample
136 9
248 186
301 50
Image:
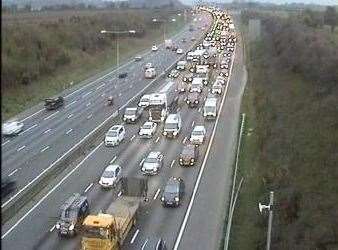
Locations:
43 52
290 143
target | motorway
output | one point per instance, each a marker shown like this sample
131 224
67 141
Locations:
34 227
48 135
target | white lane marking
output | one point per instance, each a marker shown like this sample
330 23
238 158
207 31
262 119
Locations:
131 86
142 161
70 116
113 159
70 130
172 163
48 130
70 103
52 229
185 139
51 115
13 172
30 128
144 244
44 197
120 94
103 95
87 94
157 193
89 116
193 123
178 109
3 144
88 104
44 149
32 115
21 148
89 186
119 194
132 138
100 86
187 214
134 237
199 110
158 138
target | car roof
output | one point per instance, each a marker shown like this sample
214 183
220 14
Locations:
148 123
154 154
172 118
131 108
115 127
111 167
199 128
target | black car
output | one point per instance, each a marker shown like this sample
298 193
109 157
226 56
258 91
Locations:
8 185
72 214
123 75
173 192
54 103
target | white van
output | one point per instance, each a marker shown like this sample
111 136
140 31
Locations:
172 125
210 108
150 73
196 85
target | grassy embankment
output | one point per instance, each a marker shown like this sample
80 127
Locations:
290 146
56 48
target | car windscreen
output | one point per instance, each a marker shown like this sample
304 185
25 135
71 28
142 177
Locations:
108 174
144 99
209 108
147 126
151 160
170 126
69 214
111 133
171 188
130 112
197 132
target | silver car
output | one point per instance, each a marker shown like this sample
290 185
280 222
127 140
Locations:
152 164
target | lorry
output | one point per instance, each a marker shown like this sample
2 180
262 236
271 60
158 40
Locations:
162 102
108 230
168 43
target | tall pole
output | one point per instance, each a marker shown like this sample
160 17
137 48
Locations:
268 237
164 24
117 51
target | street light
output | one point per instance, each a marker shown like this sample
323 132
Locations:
269 207
155 20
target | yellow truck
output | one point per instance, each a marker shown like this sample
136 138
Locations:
108 230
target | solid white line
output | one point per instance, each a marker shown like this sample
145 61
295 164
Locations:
142 162
134 237
158 138
70 130
21 148
88 104
113 159
70 103
185 139
30 128
48 130
44 149
193 123
187 214
157 193
32 115
144 244
13 172
3 144
132 138
70 116
100 86
89 116
87 94
172 163
52 229
51 115
119 194
89 186
51 191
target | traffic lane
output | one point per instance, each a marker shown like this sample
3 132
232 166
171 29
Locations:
46 114
160 222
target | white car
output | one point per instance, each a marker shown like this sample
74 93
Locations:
152 164
12 128
154 48
148 129
216 88
114 135
148 66
110 176
179 51
198 135
144 101
150 73
220 80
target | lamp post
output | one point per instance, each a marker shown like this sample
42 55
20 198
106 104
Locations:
117 41
270 208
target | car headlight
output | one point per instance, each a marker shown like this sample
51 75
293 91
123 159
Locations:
192 159
133 119
181 159
71 227
177 199
175 133
165 133
188 102
162 198
57 226
124 118
196 101
143 168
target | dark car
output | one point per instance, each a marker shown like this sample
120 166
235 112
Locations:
184 40
8 185
123 75
155 244
174 48
72 214
192 99
173 192
54 103
189 155
187 77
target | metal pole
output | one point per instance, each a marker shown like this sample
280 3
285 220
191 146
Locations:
268 240
118 52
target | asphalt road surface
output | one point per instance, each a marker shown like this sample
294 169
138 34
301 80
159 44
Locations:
48 135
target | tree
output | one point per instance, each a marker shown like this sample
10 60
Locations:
312 19
331 17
